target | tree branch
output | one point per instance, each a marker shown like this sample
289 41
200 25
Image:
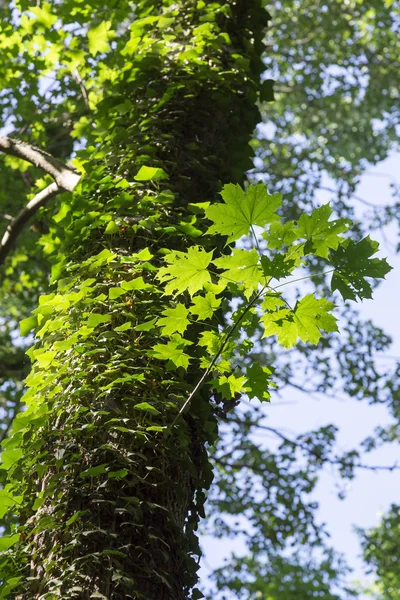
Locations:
64 176
17 224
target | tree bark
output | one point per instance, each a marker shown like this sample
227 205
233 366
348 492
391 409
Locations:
118 493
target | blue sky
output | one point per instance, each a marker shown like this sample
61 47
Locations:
371 493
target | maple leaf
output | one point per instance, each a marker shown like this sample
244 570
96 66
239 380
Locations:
229 386
174 351
258 381
306 321
186 271
174 320
241 210
281 234
205 306
320 232
353 263
242 266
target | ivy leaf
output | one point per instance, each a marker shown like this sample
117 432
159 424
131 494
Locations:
186 271
96 319
175 320
173 351
8 541
111 228
26 325
242 266
258 382
320 232
94 471
353 264
205 306
277 267
145 406
150 174
241 210
99 37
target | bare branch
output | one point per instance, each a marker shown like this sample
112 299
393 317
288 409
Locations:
64 176
16 226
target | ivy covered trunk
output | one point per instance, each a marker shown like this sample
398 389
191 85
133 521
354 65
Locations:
108 474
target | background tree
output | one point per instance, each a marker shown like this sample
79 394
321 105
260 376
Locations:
69 103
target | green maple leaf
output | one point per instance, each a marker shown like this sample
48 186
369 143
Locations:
229 386
258 381
306 321
242 266
186 271
174 320
205 306
241 210
99 38
353 263
311 315
173 351
281 234
277 267
320 232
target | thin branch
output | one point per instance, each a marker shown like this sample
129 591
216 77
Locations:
64 176
228 335
16 226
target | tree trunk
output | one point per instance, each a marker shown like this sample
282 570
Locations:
112 492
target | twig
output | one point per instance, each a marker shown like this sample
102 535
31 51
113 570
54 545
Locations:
217 355
17 224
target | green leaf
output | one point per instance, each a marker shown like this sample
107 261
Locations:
26 325
241 210
353 264
94 471
309 317
146 326
145 406
118 474
8 586
313 315
278 267
43 14
75 517
281 234
258 381
186 271
175 320
205 306
138 283
111 228
96 319
124 327
116 292
320 232
99 37
242 266
8 541
10 457
173 351
230 385
150 174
